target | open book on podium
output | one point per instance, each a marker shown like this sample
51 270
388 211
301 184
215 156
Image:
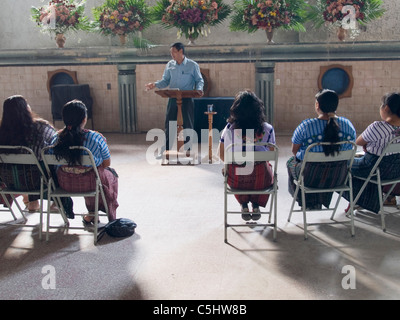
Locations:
177 156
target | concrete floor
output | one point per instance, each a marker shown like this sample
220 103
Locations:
178 252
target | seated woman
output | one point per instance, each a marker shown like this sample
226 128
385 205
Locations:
247 124
326 127
22 127
373 140
74 134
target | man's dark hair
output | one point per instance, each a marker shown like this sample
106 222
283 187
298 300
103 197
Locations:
178 46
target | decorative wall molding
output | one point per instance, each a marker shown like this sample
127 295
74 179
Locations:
204 54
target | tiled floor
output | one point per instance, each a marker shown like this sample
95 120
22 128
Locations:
178 250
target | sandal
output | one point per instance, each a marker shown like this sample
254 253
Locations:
54 208
245 212
33 206
256 212
89 223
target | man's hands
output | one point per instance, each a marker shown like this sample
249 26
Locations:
150 86
200 93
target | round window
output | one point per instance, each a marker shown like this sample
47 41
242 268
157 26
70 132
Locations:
338 78
335 79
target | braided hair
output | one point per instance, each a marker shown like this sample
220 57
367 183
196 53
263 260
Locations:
73 134
328 101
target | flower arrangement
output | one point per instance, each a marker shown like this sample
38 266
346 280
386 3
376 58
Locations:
192 17
59 16
251 15
122 17
337 12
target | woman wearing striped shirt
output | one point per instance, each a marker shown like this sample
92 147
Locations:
373 140
81 178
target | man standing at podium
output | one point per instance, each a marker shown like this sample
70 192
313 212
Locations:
183 74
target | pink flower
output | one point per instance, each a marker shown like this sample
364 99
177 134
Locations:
72 20
254 20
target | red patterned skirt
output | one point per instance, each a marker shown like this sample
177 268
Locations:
83 182
260 178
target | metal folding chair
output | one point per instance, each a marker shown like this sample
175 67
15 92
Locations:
56 193
344 156
250 157
21 174
375 177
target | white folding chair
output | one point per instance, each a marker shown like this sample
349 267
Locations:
375 177
345 156
56 193
21 160
231 156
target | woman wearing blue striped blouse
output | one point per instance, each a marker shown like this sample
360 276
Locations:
81 178
326 127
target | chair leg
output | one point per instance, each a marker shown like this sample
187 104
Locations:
351 209
275 214
336 205
383 220
271 206
19 208
303 199
293 202
225 218
48 219
41 216
10 207
62 210
381 200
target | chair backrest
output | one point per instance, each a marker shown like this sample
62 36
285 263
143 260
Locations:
23 156
337 166
393 147
240 157
51 160
311 156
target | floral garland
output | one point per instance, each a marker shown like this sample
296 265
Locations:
251 15
59 16
119 17
192 17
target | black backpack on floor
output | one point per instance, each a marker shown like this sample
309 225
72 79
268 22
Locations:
119 228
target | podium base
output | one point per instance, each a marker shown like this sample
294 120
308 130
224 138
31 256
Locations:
172 157
214 159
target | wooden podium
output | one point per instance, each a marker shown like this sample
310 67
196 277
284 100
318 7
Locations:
176 156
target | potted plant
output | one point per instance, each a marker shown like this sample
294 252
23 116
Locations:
268 15
60 16
192 18
121 18
344 15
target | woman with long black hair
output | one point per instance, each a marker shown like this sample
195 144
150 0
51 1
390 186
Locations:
326 127
74 134
20 126
247 124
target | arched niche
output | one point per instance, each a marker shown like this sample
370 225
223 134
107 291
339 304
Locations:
60 76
